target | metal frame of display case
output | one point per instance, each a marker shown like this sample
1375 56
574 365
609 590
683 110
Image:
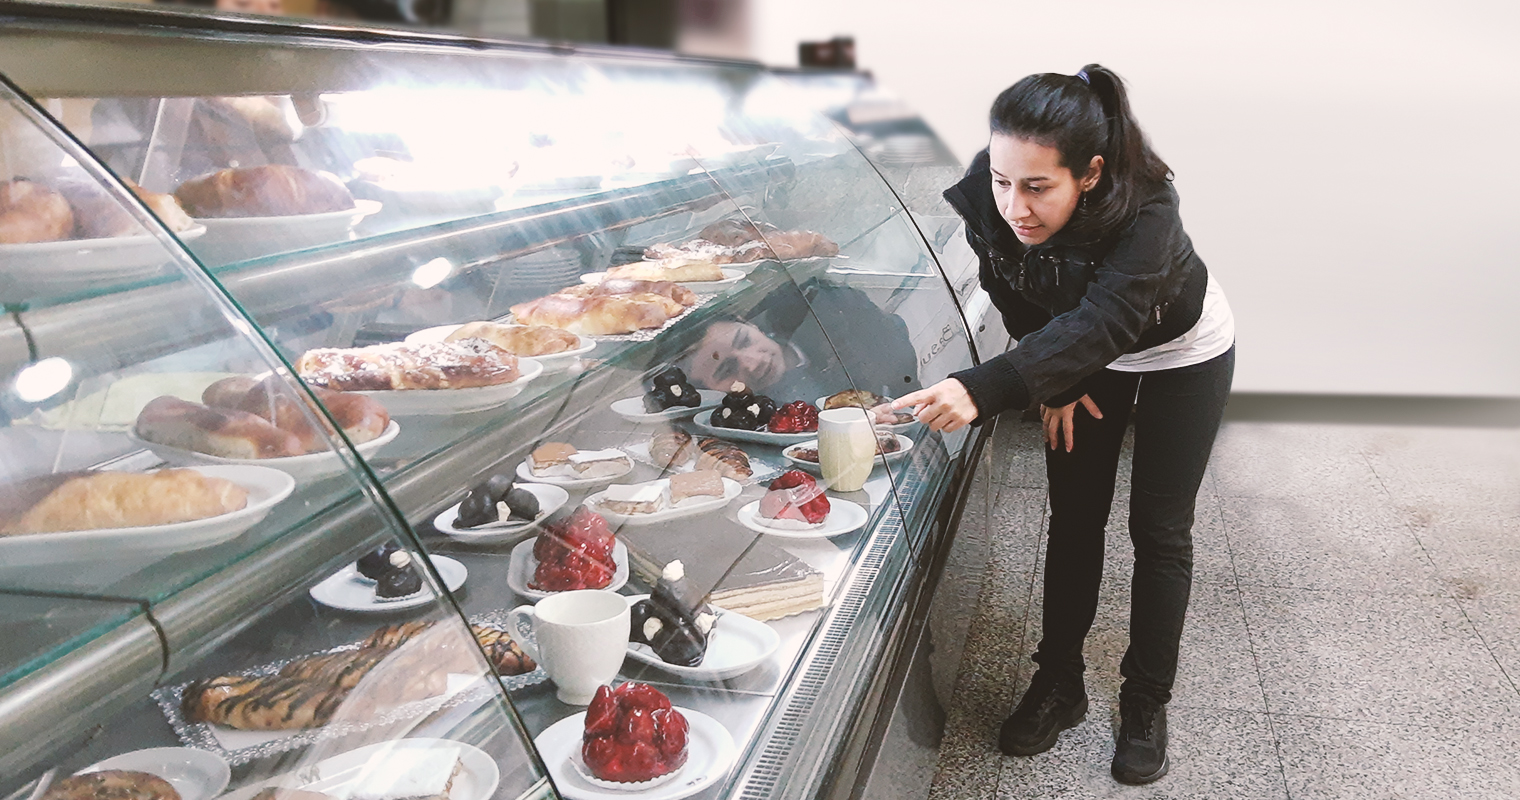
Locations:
797 752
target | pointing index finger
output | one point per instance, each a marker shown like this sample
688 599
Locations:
912 399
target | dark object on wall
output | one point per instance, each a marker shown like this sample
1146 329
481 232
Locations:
837 52
643 23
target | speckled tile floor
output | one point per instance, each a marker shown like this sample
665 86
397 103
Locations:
1354 630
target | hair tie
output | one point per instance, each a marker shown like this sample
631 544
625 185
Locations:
1082 76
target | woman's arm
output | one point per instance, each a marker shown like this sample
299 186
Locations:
1049 364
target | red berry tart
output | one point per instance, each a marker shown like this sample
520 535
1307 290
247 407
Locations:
633 734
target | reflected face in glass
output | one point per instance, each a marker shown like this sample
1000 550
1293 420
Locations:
736 351
270 7
1035 194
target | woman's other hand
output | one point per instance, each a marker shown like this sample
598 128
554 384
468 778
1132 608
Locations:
946 406
1059 421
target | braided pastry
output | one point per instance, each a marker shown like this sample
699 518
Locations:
464 364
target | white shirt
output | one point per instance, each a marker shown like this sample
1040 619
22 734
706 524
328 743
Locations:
1211 336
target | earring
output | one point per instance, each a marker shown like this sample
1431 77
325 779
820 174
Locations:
1082 203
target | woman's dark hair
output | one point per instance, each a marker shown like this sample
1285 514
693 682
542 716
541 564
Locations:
1081 119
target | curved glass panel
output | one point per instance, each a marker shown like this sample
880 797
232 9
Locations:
187 519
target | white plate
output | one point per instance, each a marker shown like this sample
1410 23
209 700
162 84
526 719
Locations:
690 507
896 427
758 437
554 362
195 774
433 402
307 467
844 517
238 238
347 590
710 755
57 264
736 645
730 277
904 445
522 566
570 483
477 780
550 499
121 546
632 408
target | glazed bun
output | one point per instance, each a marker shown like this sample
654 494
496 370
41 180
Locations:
31 212
268 191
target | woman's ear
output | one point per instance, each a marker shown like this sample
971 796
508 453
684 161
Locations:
1094 172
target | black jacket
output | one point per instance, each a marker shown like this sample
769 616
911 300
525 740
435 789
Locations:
1075 306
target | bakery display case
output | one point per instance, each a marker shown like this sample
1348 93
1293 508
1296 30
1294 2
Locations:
373 397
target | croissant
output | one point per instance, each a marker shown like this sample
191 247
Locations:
728 460
593 316
671 448
462 364
273 190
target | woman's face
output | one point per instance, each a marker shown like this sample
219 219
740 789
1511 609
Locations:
1034 193
736 351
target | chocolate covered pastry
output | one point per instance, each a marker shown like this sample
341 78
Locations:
673 622
742 409
670 389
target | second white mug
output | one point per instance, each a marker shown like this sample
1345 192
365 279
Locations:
846 448
582 638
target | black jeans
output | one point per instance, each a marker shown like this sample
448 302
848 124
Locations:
1176 413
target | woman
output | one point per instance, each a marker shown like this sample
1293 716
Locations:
1082 250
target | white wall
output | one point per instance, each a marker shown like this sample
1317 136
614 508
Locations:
1348 171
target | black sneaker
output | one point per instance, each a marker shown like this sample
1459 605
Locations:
1052 704
1140 754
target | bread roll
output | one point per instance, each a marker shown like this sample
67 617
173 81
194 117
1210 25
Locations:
31 212
129 500
462 364
735 232
521 340
361 418
273 190
163 206
592 316
97 214
220 432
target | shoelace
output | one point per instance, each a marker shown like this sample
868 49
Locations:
1137 719
1049 696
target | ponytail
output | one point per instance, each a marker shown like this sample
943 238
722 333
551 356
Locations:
1082 116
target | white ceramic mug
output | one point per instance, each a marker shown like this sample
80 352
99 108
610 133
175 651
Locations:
846 448
582 637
